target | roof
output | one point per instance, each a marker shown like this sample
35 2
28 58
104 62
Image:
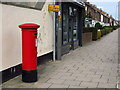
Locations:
97 9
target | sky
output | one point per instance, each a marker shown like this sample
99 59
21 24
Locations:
109 6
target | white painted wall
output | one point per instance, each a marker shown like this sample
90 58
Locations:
0 37
86 8
101 18
13 16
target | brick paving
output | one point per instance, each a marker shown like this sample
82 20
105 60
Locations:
118 60
94 65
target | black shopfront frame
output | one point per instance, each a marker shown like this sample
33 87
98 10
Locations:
71 28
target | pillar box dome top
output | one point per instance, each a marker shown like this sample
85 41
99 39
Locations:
29 26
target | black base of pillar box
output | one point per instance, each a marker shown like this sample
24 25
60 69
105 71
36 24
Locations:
29 76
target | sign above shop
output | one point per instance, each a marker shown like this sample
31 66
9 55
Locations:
54 8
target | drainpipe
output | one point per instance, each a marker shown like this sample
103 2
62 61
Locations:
54 38
59 35
57 45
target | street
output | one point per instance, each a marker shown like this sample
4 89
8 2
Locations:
94 65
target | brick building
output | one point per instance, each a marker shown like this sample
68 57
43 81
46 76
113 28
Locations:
94 15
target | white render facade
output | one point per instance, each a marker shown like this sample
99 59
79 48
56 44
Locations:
11 17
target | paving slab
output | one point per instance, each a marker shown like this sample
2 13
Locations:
89 84
95 65
59 86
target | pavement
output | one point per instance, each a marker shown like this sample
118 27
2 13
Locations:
95 65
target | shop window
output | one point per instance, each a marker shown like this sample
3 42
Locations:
70 11
65 26
75 24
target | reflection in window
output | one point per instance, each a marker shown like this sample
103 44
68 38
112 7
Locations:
75 22
65 29
70 29
70 11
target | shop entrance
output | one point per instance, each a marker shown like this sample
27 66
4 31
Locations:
69 27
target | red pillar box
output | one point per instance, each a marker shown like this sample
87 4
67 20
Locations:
29 52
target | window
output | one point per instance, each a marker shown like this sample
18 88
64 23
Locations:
75 24
65 26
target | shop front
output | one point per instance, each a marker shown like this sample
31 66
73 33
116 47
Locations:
71 27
